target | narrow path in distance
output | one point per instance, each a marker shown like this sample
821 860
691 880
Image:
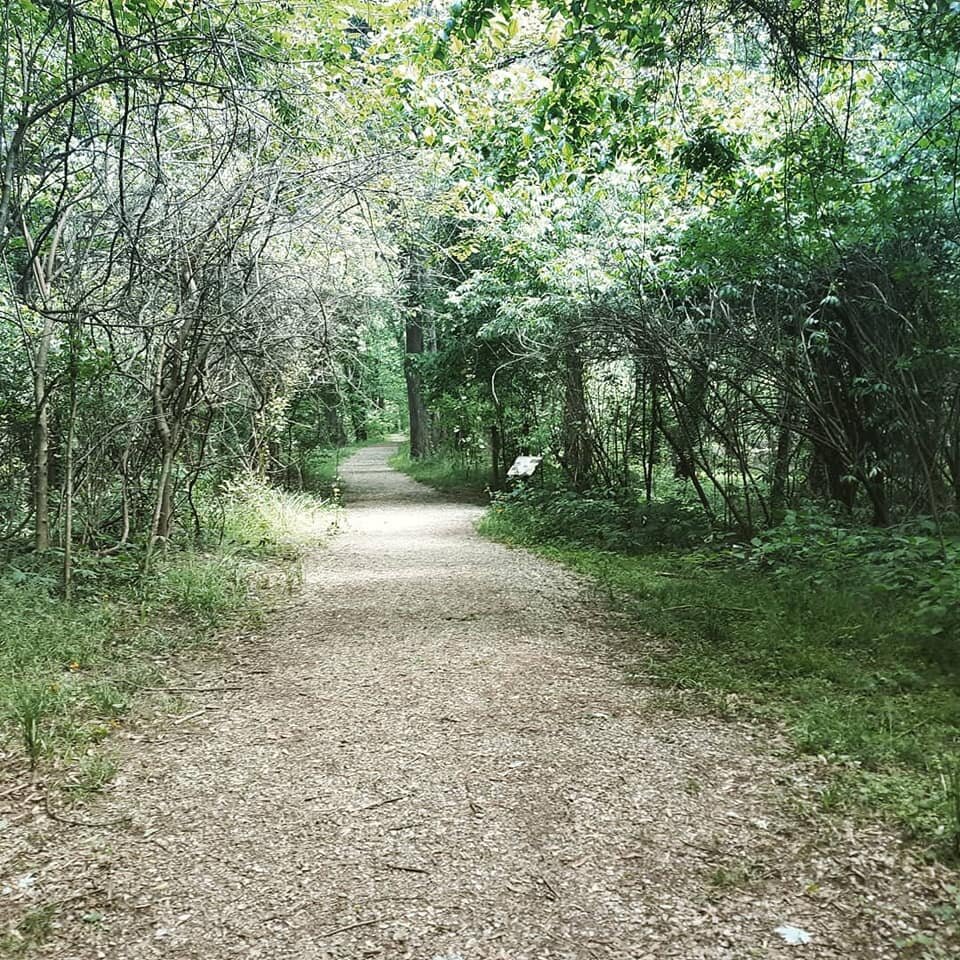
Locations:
435 753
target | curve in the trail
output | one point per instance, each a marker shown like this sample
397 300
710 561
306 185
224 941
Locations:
435 754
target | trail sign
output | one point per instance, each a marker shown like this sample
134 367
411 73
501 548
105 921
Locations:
524 467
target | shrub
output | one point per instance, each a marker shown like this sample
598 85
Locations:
616 520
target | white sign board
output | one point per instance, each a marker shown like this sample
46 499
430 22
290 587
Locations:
524 466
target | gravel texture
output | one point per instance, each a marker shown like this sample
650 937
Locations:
434 754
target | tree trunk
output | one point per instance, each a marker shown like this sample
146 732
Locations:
419 419
162 510
41 441
67 569
164 524
496 472
577 445
781 464
41 398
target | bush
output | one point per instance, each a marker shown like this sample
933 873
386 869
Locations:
916 561
616 520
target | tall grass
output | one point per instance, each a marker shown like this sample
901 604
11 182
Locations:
260 520
69 672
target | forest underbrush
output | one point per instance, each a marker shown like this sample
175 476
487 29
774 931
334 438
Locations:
70 672
461 478
846 636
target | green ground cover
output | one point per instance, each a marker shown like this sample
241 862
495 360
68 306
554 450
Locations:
460 479
847 638
70 672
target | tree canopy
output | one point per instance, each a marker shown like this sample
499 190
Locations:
710 245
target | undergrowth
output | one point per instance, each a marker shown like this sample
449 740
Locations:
262 521
849 637
69 671
458 478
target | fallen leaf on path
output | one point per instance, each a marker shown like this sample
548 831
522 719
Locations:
793 935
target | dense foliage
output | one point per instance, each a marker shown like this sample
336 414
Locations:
702 251
721 252
704 258
190 287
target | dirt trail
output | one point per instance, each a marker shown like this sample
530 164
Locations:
435 755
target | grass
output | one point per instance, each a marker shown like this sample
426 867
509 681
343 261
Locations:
730 877
458 479
93 773
261 521
70 672
33 928
843 667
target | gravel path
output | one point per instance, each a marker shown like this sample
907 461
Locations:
435 755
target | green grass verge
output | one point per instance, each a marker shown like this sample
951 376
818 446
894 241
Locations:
840 665
69 672
458 479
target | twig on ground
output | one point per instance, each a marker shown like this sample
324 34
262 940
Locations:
189 716
381 803
550 888
709 851
398 866
82 823
354 926
17 786
709 606
476 810
286 914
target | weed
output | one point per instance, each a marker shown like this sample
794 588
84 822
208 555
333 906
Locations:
952 791
713 626
92 774
832 796
259 520
729 878
613 520
107 699
29 704
203 588
32 929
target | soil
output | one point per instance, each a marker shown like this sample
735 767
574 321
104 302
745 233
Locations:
434 752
